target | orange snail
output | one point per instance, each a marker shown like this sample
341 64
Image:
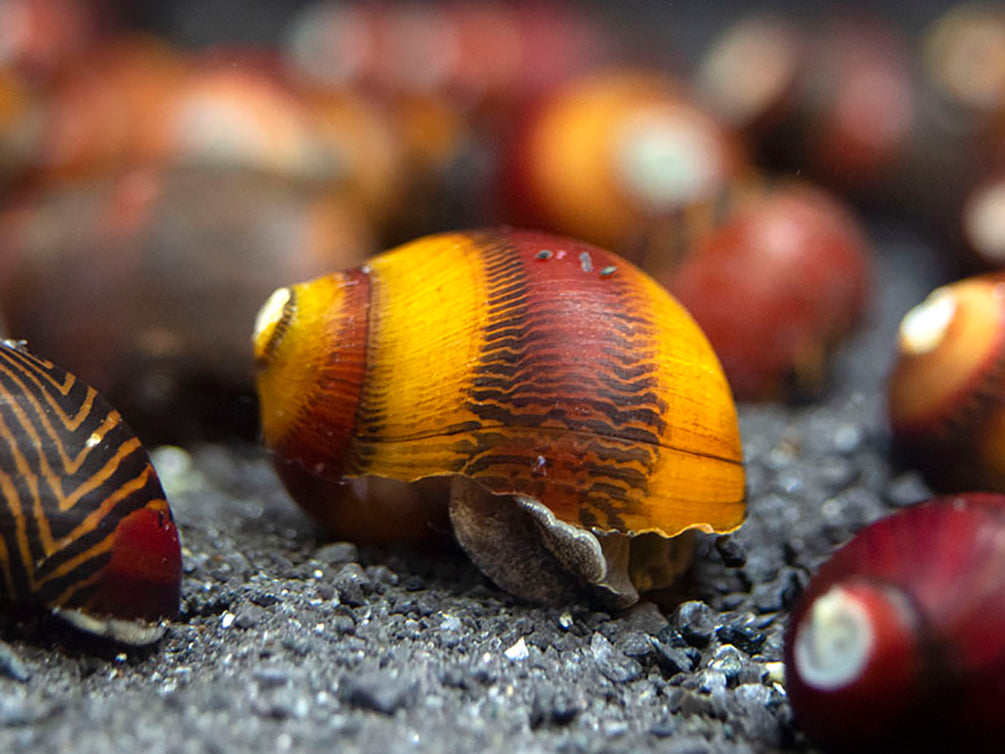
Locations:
85 529
564 397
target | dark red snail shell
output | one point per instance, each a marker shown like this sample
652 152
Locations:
574 410
85 529
898 642
777 279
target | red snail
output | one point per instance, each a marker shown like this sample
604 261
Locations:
898 642
85 530
777 276
946 394
564 398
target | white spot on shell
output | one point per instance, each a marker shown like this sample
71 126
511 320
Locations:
923 328
985 222
133 632
271 311
664 160
835 641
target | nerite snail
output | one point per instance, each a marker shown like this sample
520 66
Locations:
898 642
946 395
611 156
85 530
562 394
796 258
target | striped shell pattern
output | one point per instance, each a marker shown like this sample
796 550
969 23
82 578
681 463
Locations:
536 365
85 529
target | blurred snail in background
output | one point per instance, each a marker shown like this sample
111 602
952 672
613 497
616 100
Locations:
139 102
482 58
85 530
963 58
608 156
946 393
107 113
777 275
835 100
448 76
898 642
572 411
143 284
39 39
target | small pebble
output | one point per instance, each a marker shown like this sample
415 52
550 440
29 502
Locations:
296 644
264 599
742 634
728 661
549 707
338 553
11 664
518 651
614 665
696 622
272 677
731 550
378 691
342 621
847 439
249 616
352 584
907 488
637 645
673 660
16 710
665 728
414 583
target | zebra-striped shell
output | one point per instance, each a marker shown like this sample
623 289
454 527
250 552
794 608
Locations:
535 365
85 529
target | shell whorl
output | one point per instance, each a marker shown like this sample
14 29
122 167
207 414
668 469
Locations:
84 524
534 364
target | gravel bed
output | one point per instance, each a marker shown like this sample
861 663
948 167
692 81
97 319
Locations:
288 642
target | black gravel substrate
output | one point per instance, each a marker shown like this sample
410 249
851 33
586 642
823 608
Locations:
291 643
